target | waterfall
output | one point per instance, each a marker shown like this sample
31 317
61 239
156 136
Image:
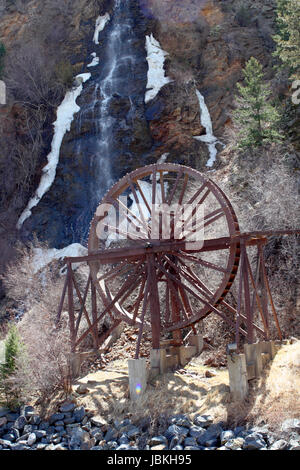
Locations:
209 138
99 146
116 81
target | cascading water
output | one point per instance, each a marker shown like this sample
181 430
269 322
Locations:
100 141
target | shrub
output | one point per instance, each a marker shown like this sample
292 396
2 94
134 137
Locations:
13 352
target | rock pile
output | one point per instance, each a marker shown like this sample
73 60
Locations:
74 428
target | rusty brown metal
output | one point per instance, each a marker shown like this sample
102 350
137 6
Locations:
138 270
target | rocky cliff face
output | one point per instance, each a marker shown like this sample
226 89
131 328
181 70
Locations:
115 131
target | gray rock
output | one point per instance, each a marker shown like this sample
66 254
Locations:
181 420
40 434
34 420
67 407
40 446
124 447
79 414
191 448
126 422
59 428
12 417
97 434
98 421
59 447
44 425
204 421
196 431
235 444
133 432
31 439
3 421
174 430
226 436
254 441
69 420
212 442
24 437
5 443
27 429
111 434
215 430
238 430
156 440
56 417
20 446
50 447
222 448
81 440
190 441
290 425
4 412
112 445
9 437
59 423
294 445
176 440
178 447
279 445
26 411
20 422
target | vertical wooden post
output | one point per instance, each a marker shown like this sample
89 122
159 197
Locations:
94 314
248 310
154 302
270 295
71 308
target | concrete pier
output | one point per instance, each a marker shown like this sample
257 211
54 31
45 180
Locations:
137 373
238 377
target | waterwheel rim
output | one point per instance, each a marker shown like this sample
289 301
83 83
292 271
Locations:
181 288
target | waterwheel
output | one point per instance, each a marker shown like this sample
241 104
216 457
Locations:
165 236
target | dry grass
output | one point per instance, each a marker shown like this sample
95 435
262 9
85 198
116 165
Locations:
183 391
272 398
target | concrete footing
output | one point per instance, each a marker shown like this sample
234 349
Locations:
248 366
238 377
138 375
161 360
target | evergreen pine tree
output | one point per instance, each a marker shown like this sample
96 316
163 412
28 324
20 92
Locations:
256 119
13 348
288 36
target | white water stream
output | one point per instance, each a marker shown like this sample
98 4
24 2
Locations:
209 139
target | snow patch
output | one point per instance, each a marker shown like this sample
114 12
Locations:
156 73
101 22
95 60
209 139
42 257
65 114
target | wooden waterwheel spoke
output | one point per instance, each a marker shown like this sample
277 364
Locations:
208 304
208 219
137 303
184 303
154 187
179 175
128 283
144 309
118 270
199 204
162 185
119 205
202 262
145 225
143 197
